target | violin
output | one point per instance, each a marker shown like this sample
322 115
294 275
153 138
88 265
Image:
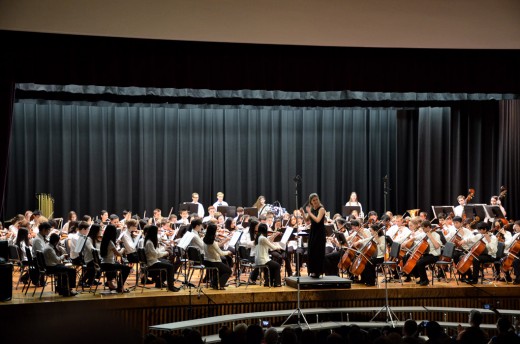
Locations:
466 261
514 250
417 253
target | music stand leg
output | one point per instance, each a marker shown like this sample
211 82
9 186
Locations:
298 310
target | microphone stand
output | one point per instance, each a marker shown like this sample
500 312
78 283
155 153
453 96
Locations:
390 315
298 310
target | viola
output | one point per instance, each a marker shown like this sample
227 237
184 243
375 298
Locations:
514 250
368 250
466 261
416 254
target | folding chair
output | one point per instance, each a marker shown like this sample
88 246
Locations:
447 253
196 263
146 269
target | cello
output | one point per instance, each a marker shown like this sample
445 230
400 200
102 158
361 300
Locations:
514 250
417 253
363 257
466 261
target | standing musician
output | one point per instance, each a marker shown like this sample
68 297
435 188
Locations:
220 201
368 276
261 206
353 201
317 236
430 256
195 200
495 201
489 253
458 210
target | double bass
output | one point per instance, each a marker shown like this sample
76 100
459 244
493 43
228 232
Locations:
471 194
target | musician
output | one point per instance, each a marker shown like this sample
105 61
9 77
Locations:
448 229
22 242
196 226
489 253
423 216
262 255
108 252
516 262
458 210
195 200
103 218
72 216
185 217
353 201
240 213
92 242
54 262
368 276
129 242
212 258
430 256
372 217
261 206
157 217
153 258
398 232
211 214
76 253
317 236
496 201
220 201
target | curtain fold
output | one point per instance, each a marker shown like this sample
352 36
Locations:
93 156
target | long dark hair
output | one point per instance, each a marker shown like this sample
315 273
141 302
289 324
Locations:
151 234
93 233
211 231
252 226
262 231
110 234
54 239
228 224
23 235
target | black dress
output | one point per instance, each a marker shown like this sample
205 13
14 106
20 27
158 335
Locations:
316 246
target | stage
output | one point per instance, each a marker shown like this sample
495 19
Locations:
135 312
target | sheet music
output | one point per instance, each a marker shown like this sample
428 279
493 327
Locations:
286 235
234 238
186 240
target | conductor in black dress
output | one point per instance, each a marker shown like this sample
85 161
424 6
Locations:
317 237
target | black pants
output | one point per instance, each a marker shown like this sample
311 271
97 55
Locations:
368 276
224 272
61 280
170 272
331 263
479 262
111 272
420 268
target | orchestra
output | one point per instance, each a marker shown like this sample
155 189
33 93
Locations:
354 246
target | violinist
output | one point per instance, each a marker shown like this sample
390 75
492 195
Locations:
516 262
129 242
368 276
489 253
430 256
458 210
157 217
196 226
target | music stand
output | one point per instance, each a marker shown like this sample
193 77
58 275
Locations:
192 208
494 212
445 209
251 211
347 209
298 310
227 211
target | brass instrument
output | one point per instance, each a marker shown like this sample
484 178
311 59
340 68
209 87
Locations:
413 212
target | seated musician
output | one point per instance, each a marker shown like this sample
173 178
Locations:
128 241
263 245
398 232
196 227
54 261
489 253
211 214
463 246
516 262
108 252
431 254
368 276
448 229
212 258
153 258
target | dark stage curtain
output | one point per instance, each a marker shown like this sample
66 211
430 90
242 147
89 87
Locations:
509 155
141 156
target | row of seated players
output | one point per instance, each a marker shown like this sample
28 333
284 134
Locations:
129 237
413 234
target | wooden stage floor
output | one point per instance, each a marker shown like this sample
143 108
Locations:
136 311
